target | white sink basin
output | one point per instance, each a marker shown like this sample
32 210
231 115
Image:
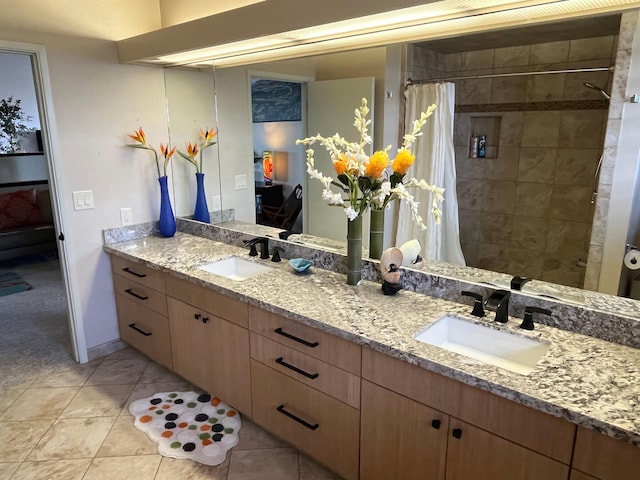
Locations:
235 268
500 348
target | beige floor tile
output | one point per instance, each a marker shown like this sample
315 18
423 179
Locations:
7 469
39 403
18 438
310 470
155 373
125 439
52 470
144 390
171 469
7 397
127 353
98 401
22 385
124 468
253 437
74 376
72 438
121 372
266 464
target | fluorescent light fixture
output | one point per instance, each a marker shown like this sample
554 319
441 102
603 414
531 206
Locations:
434 20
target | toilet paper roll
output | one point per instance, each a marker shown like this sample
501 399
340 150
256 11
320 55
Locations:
632 259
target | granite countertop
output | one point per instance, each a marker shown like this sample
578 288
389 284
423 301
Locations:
587 381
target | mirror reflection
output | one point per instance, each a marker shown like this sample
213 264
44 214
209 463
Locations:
526 199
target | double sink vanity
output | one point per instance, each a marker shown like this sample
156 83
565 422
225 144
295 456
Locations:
373 386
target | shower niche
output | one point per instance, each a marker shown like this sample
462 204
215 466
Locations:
489 126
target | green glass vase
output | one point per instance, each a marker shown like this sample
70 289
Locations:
354 250
376 233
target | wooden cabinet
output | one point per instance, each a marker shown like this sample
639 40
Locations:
142 309
306 389
487 438
211 352
605 458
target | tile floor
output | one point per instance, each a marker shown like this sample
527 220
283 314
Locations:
74 425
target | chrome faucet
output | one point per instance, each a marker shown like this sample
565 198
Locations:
498 302
264 246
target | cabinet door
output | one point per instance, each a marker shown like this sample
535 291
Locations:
400 438
211 353
605 457
480 455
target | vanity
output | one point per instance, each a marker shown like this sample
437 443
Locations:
335 371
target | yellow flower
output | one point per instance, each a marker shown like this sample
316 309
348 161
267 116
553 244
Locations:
377 163
208 135
404 159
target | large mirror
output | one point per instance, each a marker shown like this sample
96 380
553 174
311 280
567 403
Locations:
527 207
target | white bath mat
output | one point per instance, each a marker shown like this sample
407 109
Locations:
189 425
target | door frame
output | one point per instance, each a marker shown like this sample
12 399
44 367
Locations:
44 96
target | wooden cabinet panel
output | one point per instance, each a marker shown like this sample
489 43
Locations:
140 293
400 438
211 353
578 475
311 341
144 329
138 272
604 457
333 442
220 305
481 455
551 436
341 385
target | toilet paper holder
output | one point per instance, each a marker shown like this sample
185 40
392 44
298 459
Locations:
630 247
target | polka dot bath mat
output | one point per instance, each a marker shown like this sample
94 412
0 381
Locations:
189 425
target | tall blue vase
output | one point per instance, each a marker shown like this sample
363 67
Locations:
166 222
202 211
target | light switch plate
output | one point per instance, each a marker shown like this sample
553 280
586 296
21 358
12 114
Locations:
83 200
241 182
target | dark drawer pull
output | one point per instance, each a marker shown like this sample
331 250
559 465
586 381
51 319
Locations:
134 294
133 325
436 424
135 274
312 376
297 419
279 331
457 433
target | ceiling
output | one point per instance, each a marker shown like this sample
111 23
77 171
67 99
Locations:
597 26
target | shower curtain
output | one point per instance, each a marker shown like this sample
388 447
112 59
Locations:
435 162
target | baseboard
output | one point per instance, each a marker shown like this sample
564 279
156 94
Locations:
104 349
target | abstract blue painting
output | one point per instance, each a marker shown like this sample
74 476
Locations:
276 101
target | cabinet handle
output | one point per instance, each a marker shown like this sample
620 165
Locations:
279 331
133 325
134 294
297 419
436 424
457 433
197 316
312 376
205 319
135 274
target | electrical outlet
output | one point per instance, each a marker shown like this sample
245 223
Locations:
241 182
126 217
216 203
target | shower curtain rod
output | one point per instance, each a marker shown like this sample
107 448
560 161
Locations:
514 74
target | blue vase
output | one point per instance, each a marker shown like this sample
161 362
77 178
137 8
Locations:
166 222
202 211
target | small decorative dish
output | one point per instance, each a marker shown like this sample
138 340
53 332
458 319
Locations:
300 264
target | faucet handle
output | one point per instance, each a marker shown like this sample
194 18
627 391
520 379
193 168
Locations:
518 282
253 252
478 309
527 322
276 254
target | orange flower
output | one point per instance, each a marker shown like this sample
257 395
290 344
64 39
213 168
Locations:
166 152
207 136
192 149
139 136
340 165
377 163
403 161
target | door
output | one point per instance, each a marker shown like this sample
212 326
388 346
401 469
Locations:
330 109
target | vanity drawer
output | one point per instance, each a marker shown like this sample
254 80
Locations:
313 422
305 339
138 272
339 384
145 330
538 431
604 457
140 293
220 305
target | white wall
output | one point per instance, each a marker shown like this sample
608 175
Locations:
96 103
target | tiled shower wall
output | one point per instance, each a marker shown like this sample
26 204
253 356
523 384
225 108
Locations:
526 208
